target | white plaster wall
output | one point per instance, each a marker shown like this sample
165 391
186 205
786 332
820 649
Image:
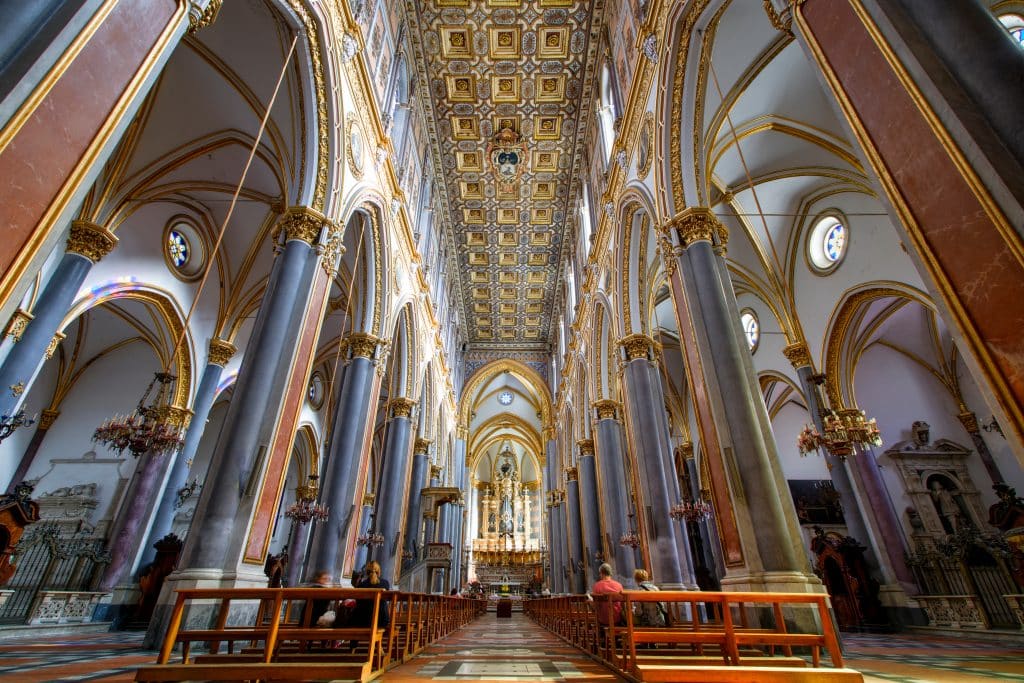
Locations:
787 425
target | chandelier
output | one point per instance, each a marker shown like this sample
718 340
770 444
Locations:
305 509
157 428
371 539
8 423
842 431
630 539
691 511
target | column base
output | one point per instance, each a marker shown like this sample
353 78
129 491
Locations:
120 607
900 609
195 578
799 620
678 587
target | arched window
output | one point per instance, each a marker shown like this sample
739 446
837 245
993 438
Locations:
751 328
606 112
1014 23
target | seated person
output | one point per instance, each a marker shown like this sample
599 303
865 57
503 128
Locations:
610 612
362 613
321 607
647 613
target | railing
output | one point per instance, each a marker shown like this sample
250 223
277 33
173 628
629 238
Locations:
707 637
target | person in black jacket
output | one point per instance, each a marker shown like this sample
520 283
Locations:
362 613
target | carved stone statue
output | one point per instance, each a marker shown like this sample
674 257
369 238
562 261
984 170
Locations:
919 433
949 511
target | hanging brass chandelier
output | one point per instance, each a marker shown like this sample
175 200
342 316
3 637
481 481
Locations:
691 510
157 428
843 431
305 509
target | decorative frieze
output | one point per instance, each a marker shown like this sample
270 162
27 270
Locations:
798 355
221 352
90 240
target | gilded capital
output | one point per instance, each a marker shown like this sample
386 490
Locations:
571 474
637 346
221 352
421 446
435 471
47 417
364 345
402 407
685 449
798 355
175 416
17 324
586 447
462 433
54 343
200 17
607 409
368 499
969 420
301 223
697 224
90 240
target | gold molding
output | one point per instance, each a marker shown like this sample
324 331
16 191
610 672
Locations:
969 420
90 240
199 19
54 343
798 355
221 352
47 417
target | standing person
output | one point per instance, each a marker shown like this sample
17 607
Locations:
647 613
362 613
608 613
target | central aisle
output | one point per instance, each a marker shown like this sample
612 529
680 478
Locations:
492 649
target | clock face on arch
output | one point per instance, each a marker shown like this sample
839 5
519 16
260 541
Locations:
505 397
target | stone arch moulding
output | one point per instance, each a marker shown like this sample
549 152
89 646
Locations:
524 374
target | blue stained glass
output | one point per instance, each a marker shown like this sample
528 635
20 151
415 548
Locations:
177 248
751 329
835 241
1018 35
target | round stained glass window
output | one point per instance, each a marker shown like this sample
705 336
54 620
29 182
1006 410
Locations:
827 242
315 393
751 328
1014 23
505 397
183 248
177 248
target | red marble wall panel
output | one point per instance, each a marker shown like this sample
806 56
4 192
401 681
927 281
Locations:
971 262
37 164
284 437
724 517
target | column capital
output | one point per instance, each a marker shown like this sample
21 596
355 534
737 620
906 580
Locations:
685 449
369 498
402 407
301 223
90 240
421 445
572 474
462 432
47 417
54 343
606 409
200 17
798 355
435 471
638 346
363 344
17 324
175 416
969 420
221 352
586 447
698 224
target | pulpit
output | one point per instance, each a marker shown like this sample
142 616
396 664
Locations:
504 608
17 510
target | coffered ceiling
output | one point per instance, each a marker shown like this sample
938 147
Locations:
506 80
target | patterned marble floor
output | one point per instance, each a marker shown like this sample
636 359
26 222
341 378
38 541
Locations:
517 650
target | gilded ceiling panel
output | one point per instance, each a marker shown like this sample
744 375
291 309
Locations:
506 80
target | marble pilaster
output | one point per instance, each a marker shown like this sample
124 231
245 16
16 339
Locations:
394 477
609 444
590 510
577 572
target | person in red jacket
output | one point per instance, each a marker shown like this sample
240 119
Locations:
607 612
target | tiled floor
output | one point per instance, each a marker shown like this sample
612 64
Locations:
517 650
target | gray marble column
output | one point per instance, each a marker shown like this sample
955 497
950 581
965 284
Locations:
87 244
774 554
614 489
125 541
363 528
346 444
414 515
458 514
220 352
232 480
46 419
393 483
590 510
970 422
667 545
577 571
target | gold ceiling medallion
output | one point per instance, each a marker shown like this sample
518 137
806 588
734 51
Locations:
507 156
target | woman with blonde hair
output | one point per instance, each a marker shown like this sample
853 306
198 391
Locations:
362 613
648 613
